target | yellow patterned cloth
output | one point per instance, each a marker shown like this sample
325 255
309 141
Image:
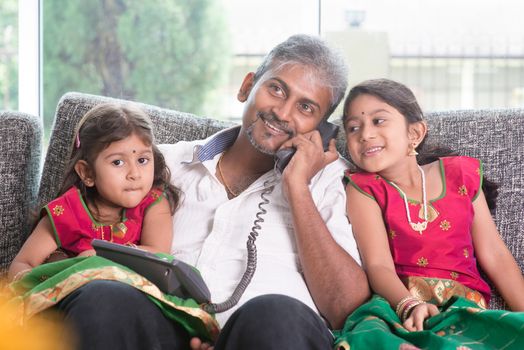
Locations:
48 284
438 291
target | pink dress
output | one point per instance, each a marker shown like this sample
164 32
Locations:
75 228
444 251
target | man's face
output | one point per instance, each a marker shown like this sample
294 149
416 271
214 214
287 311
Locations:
282 104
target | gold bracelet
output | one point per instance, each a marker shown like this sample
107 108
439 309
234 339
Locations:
409 308
400 305
59 253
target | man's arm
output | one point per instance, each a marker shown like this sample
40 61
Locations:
336 282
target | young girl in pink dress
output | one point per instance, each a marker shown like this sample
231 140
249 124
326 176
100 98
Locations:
116 188
421 232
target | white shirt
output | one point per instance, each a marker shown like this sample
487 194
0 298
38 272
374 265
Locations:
210 231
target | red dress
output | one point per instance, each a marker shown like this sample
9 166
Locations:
75 228
445 249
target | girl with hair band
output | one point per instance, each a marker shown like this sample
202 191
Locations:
116 188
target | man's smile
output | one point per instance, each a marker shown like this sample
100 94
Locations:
276 130
274 124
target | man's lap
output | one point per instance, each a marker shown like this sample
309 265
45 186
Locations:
112 315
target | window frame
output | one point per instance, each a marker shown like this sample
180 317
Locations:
29 57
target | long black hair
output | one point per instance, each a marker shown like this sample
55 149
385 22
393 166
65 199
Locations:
401 98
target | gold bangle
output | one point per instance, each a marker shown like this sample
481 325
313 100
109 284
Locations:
402 302
58 253
409 308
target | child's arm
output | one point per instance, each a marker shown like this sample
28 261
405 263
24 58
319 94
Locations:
371 236
495 258
35 250
157 229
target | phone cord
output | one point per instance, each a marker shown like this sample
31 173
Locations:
269 186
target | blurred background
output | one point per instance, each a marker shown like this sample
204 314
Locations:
191 55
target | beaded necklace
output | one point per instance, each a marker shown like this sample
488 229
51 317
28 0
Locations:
417 226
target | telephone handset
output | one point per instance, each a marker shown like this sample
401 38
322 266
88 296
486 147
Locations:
327 131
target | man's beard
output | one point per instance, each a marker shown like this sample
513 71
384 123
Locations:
270 118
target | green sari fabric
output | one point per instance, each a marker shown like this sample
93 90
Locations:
461 325
46 285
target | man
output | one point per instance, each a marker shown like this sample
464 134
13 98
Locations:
306 257
297 86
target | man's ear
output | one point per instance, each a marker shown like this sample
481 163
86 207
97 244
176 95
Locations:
84 172
417 131
246 87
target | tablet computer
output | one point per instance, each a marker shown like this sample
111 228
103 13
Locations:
171 277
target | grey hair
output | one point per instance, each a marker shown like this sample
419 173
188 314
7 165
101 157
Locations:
312 52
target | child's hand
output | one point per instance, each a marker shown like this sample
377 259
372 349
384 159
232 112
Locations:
415 321
20 275
89 252
197 344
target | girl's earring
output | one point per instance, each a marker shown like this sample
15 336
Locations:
88 182
412 152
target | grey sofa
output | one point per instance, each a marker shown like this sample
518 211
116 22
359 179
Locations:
20 154
495 136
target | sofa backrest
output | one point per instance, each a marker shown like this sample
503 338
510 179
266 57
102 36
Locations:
20 154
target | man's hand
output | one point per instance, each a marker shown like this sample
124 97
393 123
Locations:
197 344
309 158
415 321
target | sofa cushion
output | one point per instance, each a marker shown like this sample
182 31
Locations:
20 154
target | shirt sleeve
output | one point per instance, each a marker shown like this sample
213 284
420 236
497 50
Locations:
475 170
153 197
469 171
331 204
365 183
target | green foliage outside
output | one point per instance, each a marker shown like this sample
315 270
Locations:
9 54
172 54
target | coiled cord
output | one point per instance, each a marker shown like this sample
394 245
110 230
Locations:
269 186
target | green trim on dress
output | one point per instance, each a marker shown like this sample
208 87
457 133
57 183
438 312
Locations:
48 284
460 325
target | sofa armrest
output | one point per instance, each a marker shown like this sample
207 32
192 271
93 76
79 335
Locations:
20 154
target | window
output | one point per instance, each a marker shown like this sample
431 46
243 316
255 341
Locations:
452 54
192 55
9 54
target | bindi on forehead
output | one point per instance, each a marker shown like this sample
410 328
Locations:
134 151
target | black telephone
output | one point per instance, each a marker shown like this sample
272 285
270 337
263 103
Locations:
170 276
327 131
